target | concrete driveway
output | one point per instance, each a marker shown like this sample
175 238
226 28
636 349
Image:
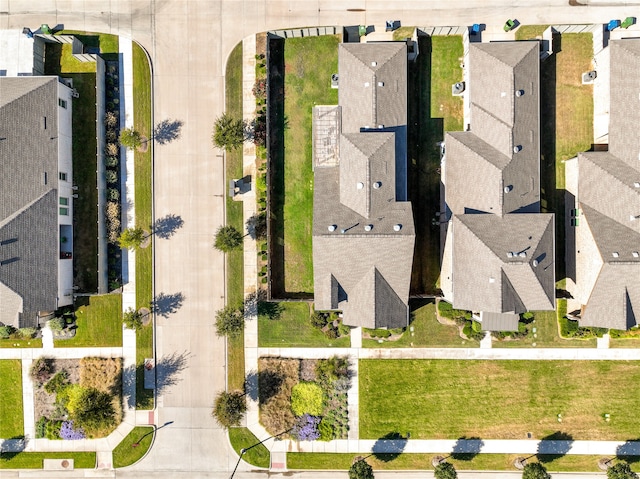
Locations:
189 41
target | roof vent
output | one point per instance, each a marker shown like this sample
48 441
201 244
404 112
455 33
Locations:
615 254
503 94
508 188
373 64
635 254
380 126
509 254
368 227
522 254
397 227
380 83
343 231
636 184
377 185
332 228
535 263
517 148
360 185
366 84
519 93
492 280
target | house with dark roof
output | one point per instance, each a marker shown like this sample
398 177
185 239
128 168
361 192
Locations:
36 199
363 231
498 254
603 208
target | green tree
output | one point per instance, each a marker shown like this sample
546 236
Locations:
229 321
360 470
131 238
229 408
535 470
132 319
131 138
228 132
227 239
445 470
93 410
621 470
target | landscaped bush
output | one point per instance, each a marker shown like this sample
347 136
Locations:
330 324
332 369
42 369
67 432
571 329
102 374
319 320
458 315
92 410
113 194
275 381
308 370
57 323
326 430
307 397
57 382
52 430
111 177
306 428
41 427
27 333
111 161
378 333
110 119
470 332
6 331
260 89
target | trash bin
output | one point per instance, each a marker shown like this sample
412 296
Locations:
44 28
362 30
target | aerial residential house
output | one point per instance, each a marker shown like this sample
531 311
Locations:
36 227
498 255
603 202
363 231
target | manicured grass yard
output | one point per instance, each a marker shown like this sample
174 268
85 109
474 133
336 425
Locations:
309 63
125 454
34 460
99 321
144 349
294 330
427 332
241 437
21 343
498 399
528 32
11 419
235 259
480 462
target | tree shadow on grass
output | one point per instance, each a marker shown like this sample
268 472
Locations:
554 446
629 451
167 131
466 448
389 447
168 369
166 226
10 448
167 304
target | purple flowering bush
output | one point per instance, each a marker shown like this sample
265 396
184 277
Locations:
306 428
69 433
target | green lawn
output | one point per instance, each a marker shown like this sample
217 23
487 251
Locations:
498 399
144 349
480 462
432 110
143 173
125 454
309 63
427 332
235 259
241 437
21 343
11 417
530 32
34 460
293 329
99 322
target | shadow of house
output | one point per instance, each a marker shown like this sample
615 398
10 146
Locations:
167 131
167 226
389 447
167 304
466 448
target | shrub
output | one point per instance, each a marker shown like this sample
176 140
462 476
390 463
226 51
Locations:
57 382
111 161
446 311
111 177
91 409
535 470
319 320
307 397
103 374
68 433
112 149
470 332
307 370
52 430
360 470
326 430
344 330
621 470
527 316
27 333
113 194
41 427
260 130
306 428
445 470
332 369
379 333
260 89
110 119
42 369
275 381
57 324
477 327
113 211
6 331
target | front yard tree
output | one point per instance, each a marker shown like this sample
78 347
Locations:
622 470
227 239
229 408
229 321
131 138
131 238
132 319
360 470
445 470
535 470
228 132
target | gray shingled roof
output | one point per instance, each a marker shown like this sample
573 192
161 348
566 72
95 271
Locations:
363 266
500 122
503 264
624 114
499 321
28 204
373 84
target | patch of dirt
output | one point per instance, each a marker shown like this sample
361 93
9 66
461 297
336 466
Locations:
44 403
261 43
147 239
144 146
146 315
